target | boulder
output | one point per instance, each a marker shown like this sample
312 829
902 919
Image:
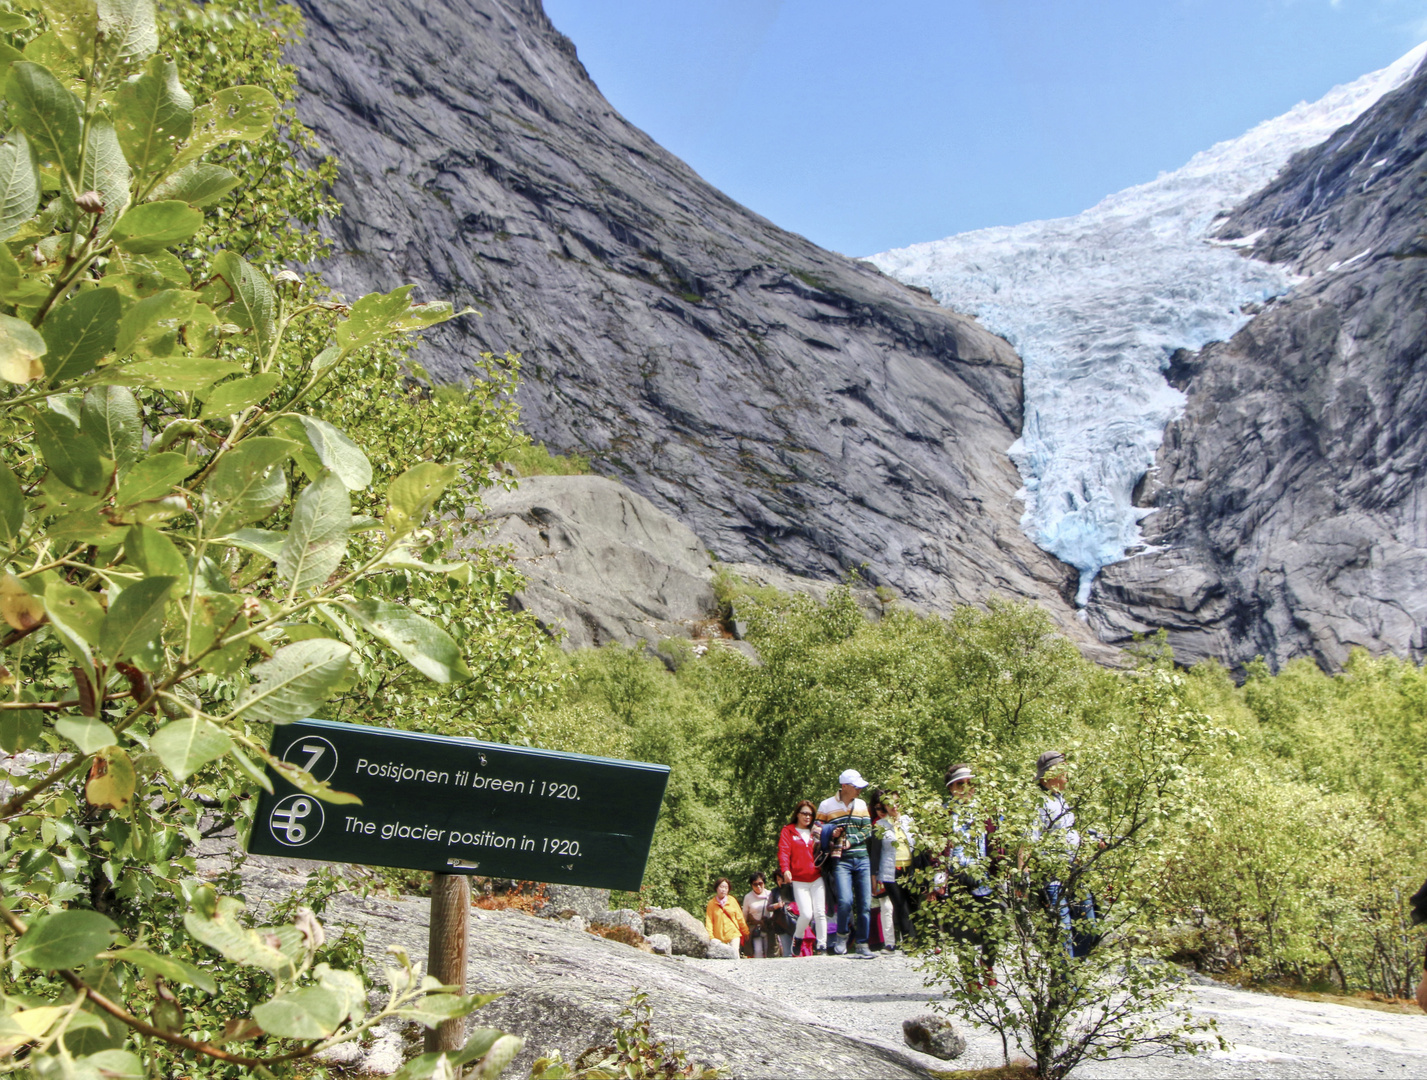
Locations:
934 1035
661 944
602 563
686 933
562 901
718 950
623 917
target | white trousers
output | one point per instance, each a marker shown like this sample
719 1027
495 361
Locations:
811 898
888 932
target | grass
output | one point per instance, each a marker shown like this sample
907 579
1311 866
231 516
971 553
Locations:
534 459
1364 1000
1020 1069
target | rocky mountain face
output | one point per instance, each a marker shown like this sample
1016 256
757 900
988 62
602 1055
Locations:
792 407
1292 519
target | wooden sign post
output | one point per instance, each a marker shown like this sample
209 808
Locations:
458 807
446 951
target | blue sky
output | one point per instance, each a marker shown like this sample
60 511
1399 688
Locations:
868 125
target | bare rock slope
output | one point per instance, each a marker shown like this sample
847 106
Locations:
791 406
1292 519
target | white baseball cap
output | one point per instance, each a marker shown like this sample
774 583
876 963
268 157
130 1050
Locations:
853 777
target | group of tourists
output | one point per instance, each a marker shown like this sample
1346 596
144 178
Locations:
851 874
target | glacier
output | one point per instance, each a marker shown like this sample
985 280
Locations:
1096 304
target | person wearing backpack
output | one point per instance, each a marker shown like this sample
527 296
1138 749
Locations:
846 823
799 865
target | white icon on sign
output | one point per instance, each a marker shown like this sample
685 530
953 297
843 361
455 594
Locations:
296 820
315 754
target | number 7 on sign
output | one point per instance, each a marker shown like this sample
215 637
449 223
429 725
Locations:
314 754
316 750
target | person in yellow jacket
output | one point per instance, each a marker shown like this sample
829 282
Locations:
723 918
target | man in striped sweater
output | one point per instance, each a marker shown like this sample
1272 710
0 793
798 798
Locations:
852 875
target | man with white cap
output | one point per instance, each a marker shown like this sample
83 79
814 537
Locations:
853 874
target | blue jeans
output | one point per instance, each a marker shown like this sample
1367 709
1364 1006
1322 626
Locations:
1077 919
853 880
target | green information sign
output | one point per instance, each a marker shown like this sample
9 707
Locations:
458 806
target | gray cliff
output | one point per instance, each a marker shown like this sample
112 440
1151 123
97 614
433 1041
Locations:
1292 519
792 407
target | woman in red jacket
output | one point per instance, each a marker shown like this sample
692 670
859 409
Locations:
797 846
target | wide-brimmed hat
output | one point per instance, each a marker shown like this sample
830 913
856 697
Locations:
958 774
1051 759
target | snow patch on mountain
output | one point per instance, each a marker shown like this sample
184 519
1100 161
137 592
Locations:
1096 304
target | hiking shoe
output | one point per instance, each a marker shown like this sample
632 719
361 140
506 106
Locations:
839 945
863 952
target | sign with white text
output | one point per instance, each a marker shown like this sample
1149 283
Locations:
457 806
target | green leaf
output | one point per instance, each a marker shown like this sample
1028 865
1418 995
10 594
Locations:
187 374
412 494
198 185
106 172
419 641
317 539
77 618
110 416
115 1064
248 296
90 526
66 939
230 398
87 733
111 779
337 452
155 226
215 613
435 1009
71 456
73 22
221 929
493 1049
185 746
12 505
20 729
237 114
175 971
154 318
247 485
154 114
19 184
266 542
144 275
298 679
48 113
21 347
153 478
155 554
129 29
309 1013
378 315
133 628
251 770
80 332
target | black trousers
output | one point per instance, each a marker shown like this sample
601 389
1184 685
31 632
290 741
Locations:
901 910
